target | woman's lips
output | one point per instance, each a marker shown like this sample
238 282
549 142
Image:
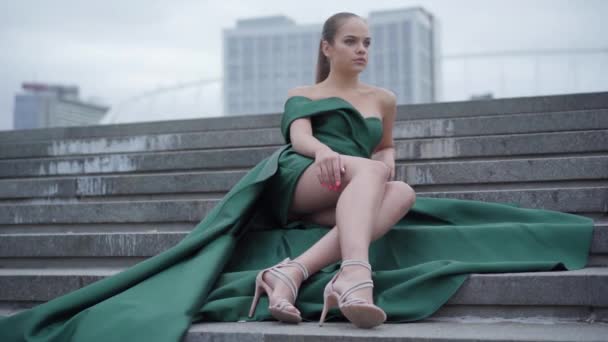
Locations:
359 60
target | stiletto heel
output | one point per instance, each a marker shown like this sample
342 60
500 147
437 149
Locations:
256 299
329 301
358 311
278 310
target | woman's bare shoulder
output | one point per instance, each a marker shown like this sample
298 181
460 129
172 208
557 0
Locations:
382 94
383 98
299 91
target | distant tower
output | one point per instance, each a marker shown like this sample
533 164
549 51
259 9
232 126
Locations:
404 54
42 105
264 57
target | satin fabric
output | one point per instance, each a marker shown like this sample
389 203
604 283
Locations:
209 275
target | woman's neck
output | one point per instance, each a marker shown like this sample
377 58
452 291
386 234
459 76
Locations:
342 82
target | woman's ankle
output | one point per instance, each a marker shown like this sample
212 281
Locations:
354 272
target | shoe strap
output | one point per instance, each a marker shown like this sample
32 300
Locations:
282 304
300 266
356 262
361 285
367 283
285 278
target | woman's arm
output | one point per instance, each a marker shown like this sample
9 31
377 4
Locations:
385 151
300 133
387 156
302 139
327 161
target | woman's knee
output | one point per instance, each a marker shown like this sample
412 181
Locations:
372 167
407 195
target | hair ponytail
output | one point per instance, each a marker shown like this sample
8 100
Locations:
330 28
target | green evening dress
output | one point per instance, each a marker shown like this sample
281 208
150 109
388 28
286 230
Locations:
209 275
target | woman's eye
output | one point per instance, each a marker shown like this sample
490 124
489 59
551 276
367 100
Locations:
351 41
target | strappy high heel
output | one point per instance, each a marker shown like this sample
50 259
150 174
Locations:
361 313
278 310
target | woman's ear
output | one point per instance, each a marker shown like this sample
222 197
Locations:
325 48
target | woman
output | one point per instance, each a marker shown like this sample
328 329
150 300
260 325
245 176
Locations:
353 194
327 175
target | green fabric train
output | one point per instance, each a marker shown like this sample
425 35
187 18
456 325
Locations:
209 275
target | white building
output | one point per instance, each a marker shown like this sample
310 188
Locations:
42 105
264 57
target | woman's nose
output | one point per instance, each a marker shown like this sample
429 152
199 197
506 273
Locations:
361 48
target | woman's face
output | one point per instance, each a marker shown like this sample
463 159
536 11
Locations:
352 42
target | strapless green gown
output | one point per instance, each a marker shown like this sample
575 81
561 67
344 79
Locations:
209 275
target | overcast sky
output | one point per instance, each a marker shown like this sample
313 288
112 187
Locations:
114 49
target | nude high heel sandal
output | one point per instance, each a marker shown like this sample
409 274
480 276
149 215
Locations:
278 310
361 313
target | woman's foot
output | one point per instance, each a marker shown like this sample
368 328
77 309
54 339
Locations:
280 290
350 290
351 275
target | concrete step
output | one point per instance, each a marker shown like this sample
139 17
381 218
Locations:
75 249
498 146
566 199
429 330
515 105
217 123
424 176
243 158
436 328
146 143
502 145
503 124
486 295
424 128
176 211
458 109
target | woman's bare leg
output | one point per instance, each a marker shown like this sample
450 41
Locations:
373 218
398 199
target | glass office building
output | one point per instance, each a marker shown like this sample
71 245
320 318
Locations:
42 105
264 57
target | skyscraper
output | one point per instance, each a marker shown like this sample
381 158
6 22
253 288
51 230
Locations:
264 57
42 105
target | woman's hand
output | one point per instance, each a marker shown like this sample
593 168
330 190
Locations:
391 166
330 168
387 156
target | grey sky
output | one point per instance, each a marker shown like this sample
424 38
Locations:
117 49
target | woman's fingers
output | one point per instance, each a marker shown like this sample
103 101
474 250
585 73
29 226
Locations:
321 174
319 177
336 171
330 172
324 175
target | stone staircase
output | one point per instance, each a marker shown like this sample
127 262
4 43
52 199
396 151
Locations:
81 203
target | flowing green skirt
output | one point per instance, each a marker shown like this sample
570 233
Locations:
209 275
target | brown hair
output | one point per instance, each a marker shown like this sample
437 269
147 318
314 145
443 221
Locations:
330 28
